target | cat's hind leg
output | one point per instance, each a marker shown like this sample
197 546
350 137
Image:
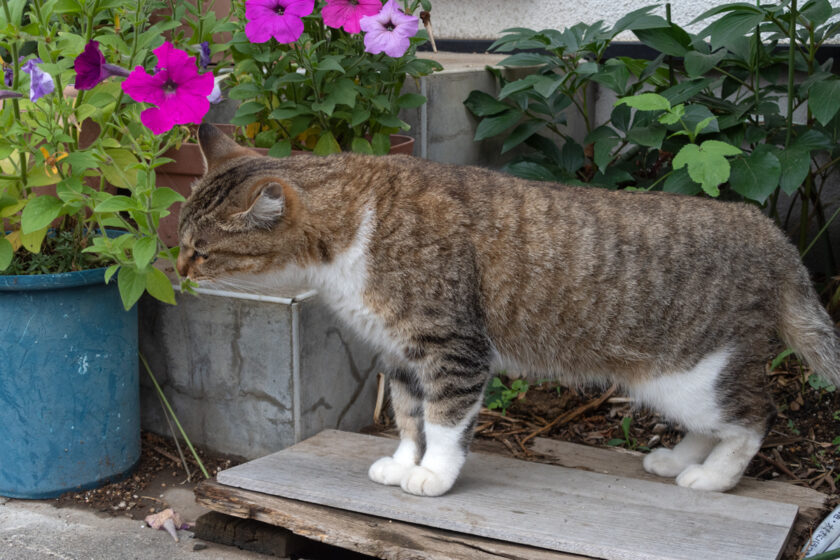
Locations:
407 403
692 449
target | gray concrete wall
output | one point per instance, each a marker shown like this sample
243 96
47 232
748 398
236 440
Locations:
252 377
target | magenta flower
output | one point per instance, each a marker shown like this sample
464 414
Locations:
91 67
40 83
177 89
280 19
347 13
389 31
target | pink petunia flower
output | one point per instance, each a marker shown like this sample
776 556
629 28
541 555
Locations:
347 13
91 67
177 89
389 31
280 19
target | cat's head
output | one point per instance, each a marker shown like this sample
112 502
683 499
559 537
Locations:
241 217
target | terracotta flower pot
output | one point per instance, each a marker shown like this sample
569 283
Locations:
189 166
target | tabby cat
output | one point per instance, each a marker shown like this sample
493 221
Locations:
453 271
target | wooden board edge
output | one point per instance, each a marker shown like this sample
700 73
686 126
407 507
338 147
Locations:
366 534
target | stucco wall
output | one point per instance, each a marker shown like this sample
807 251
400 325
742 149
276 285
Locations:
485 19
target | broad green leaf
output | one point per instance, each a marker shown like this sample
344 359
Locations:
361 146
613 76
795 164
816 11
733 26
639 19
39 213
571 156
621 117
526 59
756 177
7 252
680 183
707 167
697 64
159 286
482 104
327 144
249 108
164 197
672 40
120 168
492 126
110 271
719 148
381 144
530 170
824 100
144 251
521 133
410 100
518 85
32 241
646 102
651 136
281 149
117 203
131 284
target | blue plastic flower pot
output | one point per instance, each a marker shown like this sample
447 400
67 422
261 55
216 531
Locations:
69 390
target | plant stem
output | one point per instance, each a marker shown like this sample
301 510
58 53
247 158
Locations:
172 414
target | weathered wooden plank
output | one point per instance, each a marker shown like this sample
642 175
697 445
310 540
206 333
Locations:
552 507
382 538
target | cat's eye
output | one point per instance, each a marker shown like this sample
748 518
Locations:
199 255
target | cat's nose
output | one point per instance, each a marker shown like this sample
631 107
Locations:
183 264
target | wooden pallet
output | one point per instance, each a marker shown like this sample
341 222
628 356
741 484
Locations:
500 507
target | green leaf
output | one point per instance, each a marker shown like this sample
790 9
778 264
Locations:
795 164
755 177
672 40
482 104
131 284
361 146
410 100
646 102
521 133
120 168
32 241
159 286
381 144
492 126
824 100
526 59
816 11
650 136
621 117
614 76
719 148
680 183
144 251
281 149
697 64
39 213
164 197
530 170
110 271
117 203
706 164
571 156
7 252
327 144
733 26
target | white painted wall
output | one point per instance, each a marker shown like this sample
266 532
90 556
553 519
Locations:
485 19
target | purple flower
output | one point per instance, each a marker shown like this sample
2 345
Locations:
6 94
389 31
91 67
347 13
177 89
204 54
280 19
8 76
40 83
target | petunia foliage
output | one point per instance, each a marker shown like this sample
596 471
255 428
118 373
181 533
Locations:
326 75
82 139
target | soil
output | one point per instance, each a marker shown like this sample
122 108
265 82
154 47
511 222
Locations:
141 492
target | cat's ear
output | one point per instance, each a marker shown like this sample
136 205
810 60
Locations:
217 147
267 208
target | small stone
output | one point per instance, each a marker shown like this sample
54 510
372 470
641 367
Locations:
121 505
660 428
199 546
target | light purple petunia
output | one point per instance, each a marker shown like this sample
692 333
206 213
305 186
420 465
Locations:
40 83
389 31
91 67
280 19
177 89
8 76
204 54
347 13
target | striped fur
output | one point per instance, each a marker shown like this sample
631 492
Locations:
451 270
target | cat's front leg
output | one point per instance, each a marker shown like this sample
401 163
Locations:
407 402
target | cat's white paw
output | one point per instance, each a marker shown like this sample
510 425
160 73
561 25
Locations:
664 462
700 477
388 471
421 481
